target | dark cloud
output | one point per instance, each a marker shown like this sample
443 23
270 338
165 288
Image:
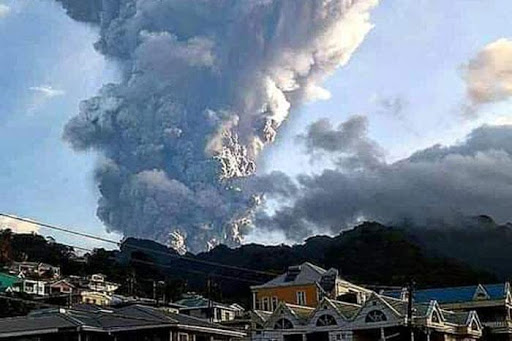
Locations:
206 85
437 184
347 143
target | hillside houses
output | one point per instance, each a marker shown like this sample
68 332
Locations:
129 323
492 303
306 303
44 281
201 307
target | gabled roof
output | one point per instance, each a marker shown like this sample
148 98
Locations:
455 294
344 309
7 280
307 273
296 313
302 313
261 316
12 326
62 281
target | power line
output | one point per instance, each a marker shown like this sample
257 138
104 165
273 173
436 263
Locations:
141 248
61 229
199 272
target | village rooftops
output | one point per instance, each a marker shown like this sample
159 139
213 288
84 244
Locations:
95 319
480 292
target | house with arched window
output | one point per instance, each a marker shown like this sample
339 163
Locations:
492 302
378 318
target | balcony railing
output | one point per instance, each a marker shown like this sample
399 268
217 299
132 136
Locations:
499 324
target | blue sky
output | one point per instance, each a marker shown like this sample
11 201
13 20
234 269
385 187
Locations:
414 56
48 65
415 53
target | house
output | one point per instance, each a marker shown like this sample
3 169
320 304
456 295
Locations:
62 287
378 318
94 289
306 285
128 323
32 287
7 282
98 282
201 307
35 270
492 302
95 297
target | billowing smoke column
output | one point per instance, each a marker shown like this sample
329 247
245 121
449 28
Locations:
206 84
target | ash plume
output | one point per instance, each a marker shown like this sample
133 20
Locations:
206 85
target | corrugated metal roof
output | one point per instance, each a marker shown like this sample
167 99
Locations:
348 310
453 294
106 320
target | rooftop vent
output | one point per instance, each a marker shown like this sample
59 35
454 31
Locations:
292 273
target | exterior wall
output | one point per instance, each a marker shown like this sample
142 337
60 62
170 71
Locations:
217 315
35 288
288 294
95 298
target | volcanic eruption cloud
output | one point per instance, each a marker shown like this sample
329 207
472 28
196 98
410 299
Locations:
206 84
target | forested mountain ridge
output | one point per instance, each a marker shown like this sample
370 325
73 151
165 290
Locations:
371 254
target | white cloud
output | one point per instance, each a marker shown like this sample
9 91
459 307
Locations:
4 10
489 74
48 91
17 226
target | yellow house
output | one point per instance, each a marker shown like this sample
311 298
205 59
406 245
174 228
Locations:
95 297
305 285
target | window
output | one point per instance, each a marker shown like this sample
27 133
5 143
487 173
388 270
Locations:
283 324
182 337
266 306
274 303
301 298
375 316
326 320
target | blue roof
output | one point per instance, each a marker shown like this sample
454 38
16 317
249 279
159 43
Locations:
453 294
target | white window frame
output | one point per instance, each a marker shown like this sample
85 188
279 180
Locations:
266 304
301 297
275 303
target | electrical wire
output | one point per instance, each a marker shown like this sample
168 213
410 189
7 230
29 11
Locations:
141 248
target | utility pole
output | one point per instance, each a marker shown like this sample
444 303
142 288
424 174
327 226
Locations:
410 294
208 293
